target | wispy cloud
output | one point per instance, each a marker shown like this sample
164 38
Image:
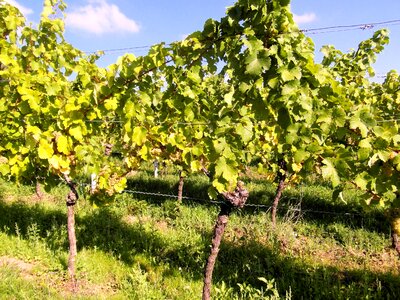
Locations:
305 18
100 17
23 9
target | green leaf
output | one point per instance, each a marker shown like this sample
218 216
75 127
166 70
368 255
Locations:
300 156
53 89
197 150
284 119
290 88
226 170
245 132
361 181
229 96
356 123
257 62
145 98
363 153
329 172
338 194
362 120
189 114
286 75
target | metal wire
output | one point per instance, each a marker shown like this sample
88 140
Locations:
247 205
320 30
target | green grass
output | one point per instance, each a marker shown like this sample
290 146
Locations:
149 247
13 286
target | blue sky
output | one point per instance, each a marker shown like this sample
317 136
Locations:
114 24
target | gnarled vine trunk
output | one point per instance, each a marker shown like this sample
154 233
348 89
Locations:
180 187
38 190
396 241
219 229
282 173
395 226
72 197
278 195
71 239
234 199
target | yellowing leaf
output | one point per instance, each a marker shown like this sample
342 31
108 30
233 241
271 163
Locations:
144 152
139 135
45 150
120 186
62 145
195 166
53 161
4 169
218 186
35 131
111 104
76 132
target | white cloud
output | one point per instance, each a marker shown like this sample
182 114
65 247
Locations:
100 17
304 18
23 9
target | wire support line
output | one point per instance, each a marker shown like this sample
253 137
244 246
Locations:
157 123
388 121
319 30
103 121
172 123
207 124
171 196
247 205
193 123
324 212
191 198
362 26
331 31
109 51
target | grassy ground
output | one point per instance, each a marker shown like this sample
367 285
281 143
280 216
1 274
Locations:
150 247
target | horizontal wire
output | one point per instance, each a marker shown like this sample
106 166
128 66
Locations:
205 124
249 205
217 202
388 121
320 30
331 31
361 26
123 49
172 196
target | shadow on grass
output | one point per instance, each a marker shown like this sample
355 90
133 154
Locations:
250 261
312 203
101 229
237 263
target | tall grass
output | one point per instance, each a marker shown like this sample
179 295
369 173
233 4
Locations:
149 247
